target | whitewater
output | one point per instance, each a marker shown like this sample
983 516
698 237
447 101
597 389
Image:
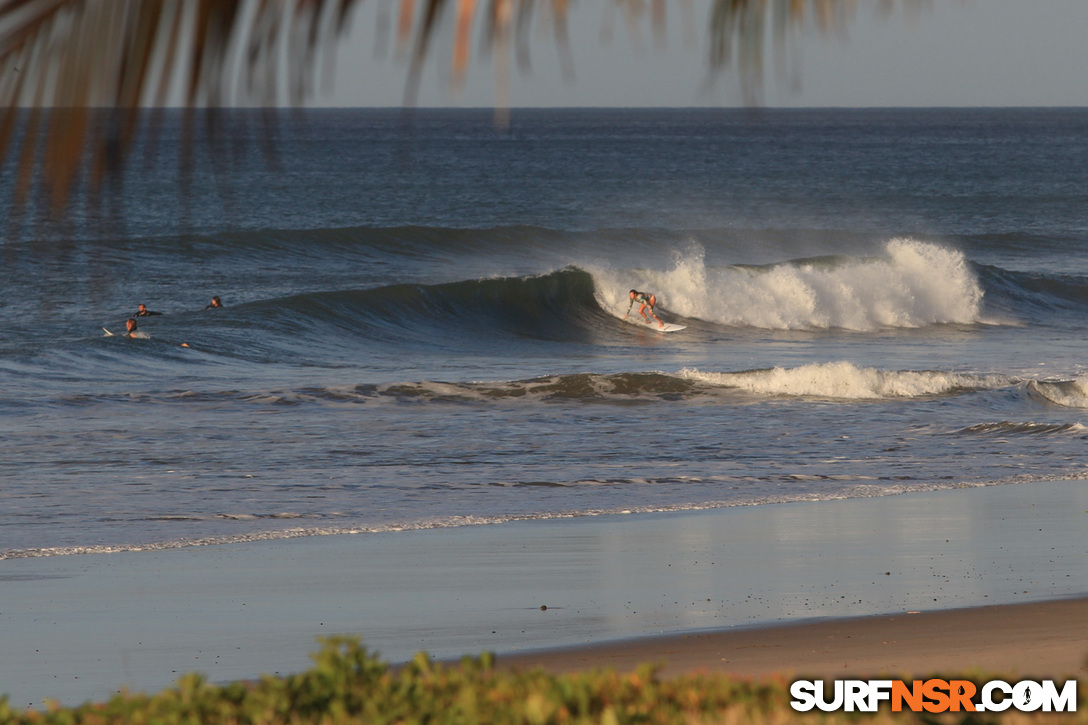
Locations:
911 284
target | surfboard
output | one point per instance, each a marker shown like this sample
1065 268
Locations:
669 326
138 335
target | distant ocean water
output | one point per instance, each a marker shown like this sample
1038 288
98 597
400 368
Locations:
421 323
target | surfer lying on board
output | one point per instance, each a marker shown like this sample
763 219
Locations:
646 301
130 328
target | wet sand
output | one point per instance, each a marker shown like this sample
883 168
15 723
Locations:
81 627
1044 640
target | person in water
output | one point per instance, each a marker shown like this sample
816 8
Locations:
130 328
646 301
215 304
142 311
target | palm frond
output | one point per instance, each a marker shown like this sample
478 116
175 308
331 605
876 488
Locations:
59 59
76 73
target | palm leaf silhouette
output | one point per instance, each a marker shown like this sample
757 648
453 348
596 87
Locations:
77 75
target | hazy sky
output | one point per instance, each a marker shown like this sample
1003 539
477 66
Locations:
955 53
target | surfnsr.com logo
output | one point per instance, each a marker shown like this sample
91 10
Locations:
934 695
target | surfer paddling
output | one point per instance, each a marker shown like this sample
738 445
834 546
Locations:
646 301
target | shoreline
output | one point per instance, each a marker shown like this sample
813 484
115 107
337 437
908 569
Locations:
76 628
1045 640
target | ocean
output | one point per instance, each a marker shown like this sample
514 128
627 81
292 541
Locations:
422 321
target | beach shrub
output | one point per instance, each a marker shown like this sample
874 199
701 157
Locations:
348 684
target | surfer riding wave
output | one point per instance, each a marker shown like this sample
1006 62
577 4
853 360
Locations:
646 301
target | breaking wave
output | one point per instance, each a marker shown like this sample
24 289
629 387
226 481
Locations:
828 381
844 380
1066 393
913 284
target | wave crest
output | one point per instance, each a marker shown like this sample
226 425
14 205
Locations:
833 381
913 284
1066 393
1006 427
844 380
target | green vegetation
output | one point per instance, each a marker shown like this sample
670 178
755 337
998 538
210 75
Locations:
350 685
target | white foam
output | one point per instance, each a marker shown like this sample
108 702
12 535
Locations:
1068 394
845 380
912 284
854 487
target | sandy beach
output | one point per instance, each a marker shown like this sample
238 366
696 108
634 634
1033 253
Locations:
790 587
1038 640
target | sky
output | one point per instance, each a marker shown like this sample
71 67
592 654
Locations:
952 53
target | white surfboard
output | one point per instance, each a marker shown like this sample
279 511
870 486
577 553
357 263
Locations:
669 326
135 335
